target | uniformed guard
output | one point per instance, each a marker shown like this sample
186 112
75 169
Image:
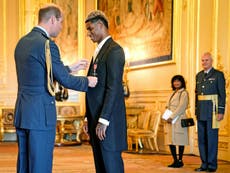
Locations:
210 107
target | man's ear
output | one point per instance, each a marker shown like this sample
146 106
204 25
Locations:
101 24
52 19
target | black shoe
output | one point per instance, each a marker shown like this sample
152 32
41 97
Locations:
179 164
200 169
211 170
173 165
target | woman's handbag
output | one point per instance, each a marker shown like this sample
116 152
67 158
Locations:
187 122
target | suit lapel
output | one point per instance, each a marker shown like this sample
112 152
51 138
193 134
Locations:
103 49
99 56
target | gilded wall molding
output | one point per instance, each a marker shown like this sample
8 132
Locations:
3 55
177 30
215 29
224 131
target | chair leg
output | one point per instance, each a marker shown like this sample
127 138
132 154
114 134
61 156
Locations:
136 140
130 143
140 143
155 143
150 143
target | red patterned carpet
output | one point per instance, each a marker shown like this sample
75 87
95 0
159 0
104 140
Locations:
79 159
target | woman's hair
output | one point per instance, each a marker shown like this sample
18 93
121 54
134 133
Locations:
181 79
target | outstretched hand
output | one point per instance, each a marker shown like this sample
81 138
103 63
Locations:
80 65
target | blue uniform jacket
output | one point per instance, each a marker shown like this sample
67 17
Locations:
35 107
213 83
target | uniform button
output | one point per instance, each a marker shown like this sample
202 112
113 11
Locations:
203 86
52 102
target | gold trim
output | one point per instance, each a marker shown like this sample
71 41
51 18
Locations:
81 45
177 25
197 38
21 14
215 30
81 28
3 62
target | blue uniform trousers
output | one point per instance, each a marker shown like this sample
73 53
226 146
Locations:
208 144
35 150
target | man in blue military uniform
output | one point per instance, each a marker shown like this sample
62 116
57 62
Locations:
38 63
210 107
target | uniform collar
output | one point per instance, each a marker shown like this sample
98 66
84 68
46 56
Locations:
102 43
43 29
207 71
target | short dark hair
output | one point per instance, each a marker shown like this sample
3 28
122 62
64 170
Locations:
96 15
181 79
49 10
95 19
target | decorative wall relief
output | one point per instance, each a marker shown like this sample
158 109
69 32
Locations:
143 28
8 119
225 130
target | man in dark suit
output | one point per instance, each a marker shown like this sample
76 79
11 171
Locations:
35 111
105 107
210 107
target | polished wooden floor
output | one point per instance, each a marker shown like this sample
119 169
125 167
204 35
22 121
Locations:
79 159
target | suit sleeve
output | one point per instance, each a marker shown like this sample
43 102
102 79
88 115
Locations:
61 73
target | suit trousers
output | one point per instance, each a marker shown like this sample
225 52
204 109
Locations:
107 161
208 144
35 150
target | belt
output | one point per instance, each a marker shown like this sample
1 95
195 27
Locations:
214 99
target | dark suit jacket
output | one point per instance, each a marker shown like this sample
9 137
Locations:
35 107
213 83
106 100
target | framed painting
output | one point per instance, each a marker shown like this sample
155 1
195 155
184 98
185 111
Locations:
143 28
67 40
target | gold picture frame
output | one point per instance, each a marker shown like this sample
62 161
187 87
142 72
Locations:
143 29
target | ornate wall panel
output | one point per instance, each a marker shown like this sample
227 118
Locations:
3 51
